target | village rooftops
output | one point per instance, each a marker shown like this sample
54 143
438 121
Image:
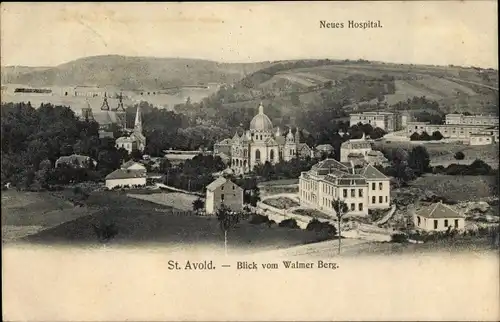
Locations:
126 174
439 210
74 159
371 173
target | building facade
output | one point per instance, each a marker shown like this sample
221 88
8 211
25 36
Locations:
261 143
223 191
387 121
361 189
125 178
438 217
355 148
451 131
486 120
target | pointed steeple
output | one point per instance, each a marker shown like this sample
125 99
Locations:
297 135
138 120
105 105
261 108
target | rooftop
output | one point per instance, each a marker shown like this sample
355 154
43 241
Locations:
439 210
126 174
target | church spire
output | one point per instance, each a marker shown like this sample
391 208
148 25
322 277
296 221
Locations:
138 120
297 135
261 108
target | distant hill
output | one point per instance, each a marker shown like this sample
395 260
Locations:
302 82
131 72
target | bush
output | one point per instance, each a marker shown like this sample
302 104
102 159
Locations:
459 155
257 219
289 223
319 226
399 238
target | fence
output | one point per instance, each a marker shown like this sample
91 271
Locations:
176 212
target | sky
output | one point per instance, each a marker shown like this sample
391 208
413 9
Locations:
420 32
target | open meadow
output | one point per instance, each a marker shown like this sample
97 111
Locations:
457 188
138 222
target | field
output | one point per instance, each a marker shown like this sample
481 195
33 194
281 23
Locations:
458 188
141 222
281 203
25 213
176 200
443 153
313 213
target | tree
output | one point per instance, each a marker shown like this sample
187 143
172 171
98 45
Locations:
419 160
165 165
437 136
341 209
415 137
459 155
227 220
294 97
198 204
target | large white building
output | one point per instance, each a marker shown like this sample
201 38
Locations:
487 120
361 189
261 143
223 191
387 121
136 140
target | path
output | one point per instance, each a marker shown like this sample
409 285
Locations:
387 216
292 196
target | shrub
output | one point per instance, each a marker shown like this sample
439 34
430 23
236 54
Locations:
289 223
399 238
257 219
319 226
459 155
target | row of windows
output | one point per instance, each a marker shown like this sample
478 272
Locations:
380 199
327 203
380 186
353 193
436 222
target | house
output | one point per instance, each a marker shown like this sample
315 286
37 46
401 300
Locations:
387 121
125 177
75 161
133 165
361 189
304 151
223 191
438 217
355 148
324 148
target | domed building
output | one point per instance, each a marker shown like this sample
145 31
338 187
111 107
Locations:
261 143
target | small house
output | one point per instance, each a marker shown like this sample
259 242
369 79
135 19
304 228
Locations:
133 165
126 178
223 191
438 217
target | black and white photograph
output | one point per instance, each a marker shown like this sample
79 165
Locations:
256 161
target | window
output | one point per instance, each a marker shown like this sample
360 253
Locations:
418 220
374 200
373 185
222 197
386 198
345 193
360 207
380 185
221 187
353 207
353 193
456 223
446 222
380 200
233 186
435 224
360 192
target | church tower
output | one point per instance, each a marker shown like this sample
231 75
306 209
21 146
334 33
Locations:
105 105
138 120
121 115
87 114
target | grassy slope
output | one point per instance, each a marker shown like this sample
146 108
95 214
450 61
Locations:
138 223
136 72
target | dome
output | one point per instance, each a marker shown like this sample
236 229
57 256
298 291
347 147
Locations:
261 121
